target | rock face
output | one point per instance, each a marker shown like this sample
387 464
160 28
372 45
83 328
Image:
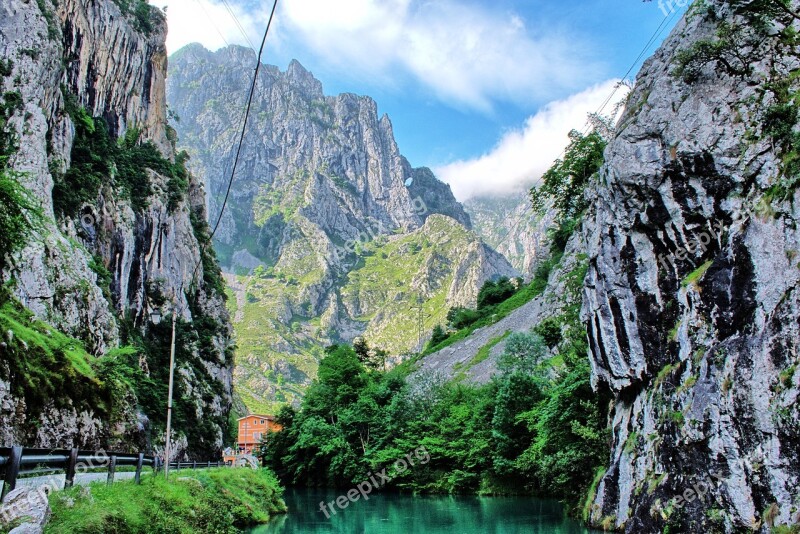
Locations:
462 359
436 196
509 225
26 509
323 211
691 299
89 57
330 161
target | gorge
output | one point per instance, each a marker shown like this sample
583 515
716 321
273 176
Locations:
622 338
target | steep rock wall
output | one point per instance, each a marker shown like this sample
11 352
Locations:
329 231
691 299
89 54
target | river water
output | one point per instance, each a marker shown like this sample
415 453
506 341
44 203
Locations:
393 513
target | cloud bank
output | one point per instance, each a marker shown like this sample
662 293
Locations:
522 156
210 23
465 55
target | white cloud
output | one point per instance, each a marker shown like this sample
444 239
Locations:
210 23
522 156
466 55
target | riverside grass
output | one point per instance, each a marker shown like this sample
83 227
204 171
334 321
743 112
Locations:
224 500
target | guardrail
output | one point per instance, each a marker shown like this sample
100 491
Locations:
16 461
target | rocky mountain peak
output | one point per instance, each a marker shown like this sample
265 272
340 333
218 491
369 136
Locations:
298 77
325 199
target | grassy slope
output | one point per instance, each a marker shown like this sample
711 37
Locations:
45 365
277 357
535 288
265 340
214 500
386 283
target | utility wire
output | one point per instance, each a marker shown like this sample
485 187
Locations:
211 20
239 24
241 140
659 30
246 116
653 38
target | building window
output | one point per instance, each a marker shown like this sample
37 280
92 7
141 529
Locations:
262 421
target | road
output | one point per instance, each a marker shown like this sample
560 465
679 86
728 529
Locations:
57 480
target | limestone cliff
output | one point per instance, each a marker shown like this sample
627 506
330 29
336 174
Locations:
691 299
121 233
331 233
510 226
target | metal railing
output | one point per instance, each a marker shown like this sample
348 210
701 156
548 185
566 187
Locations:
19 461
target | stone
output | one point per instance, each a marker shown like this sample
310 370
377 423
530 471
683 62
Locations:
318 177
27 508
117 71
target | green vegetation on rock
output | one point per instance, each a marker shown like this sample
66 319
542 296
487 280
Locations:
46 367
43 365
736 46
563 184
98 160
534 428
464 321
280 335
19 211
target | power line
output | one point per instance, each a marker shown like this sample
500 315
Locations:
653 38
246 116
239 24
199 3
659 30
241 140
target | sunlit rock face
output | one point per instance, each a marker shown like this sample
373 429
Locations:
113 65
691 299
329 232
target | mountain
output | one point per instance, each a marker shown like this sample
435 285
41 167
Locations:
330 233
691 298
509 225
114 227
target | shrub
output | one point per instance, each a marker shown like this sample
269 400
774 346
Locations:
550 330
492 293
438 335
564 183
98 160
459 317
19 214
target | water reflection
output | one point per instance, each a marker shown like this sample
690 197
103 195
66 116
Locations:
392 513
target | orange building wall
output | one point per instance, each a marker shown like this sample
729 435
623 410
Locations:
252 429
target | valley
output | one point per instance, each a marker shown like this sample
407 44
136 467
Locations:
332 235
574 309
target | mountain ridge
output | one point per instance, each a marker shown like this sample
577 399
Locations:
324 203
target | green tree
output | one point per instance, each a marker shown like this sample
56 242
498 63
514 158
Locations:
492 293
571 438
523 352
459 317
517 393
564 183
437 336
550 330
361 348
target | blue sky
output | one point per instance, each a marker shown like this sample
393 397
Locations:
484 92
